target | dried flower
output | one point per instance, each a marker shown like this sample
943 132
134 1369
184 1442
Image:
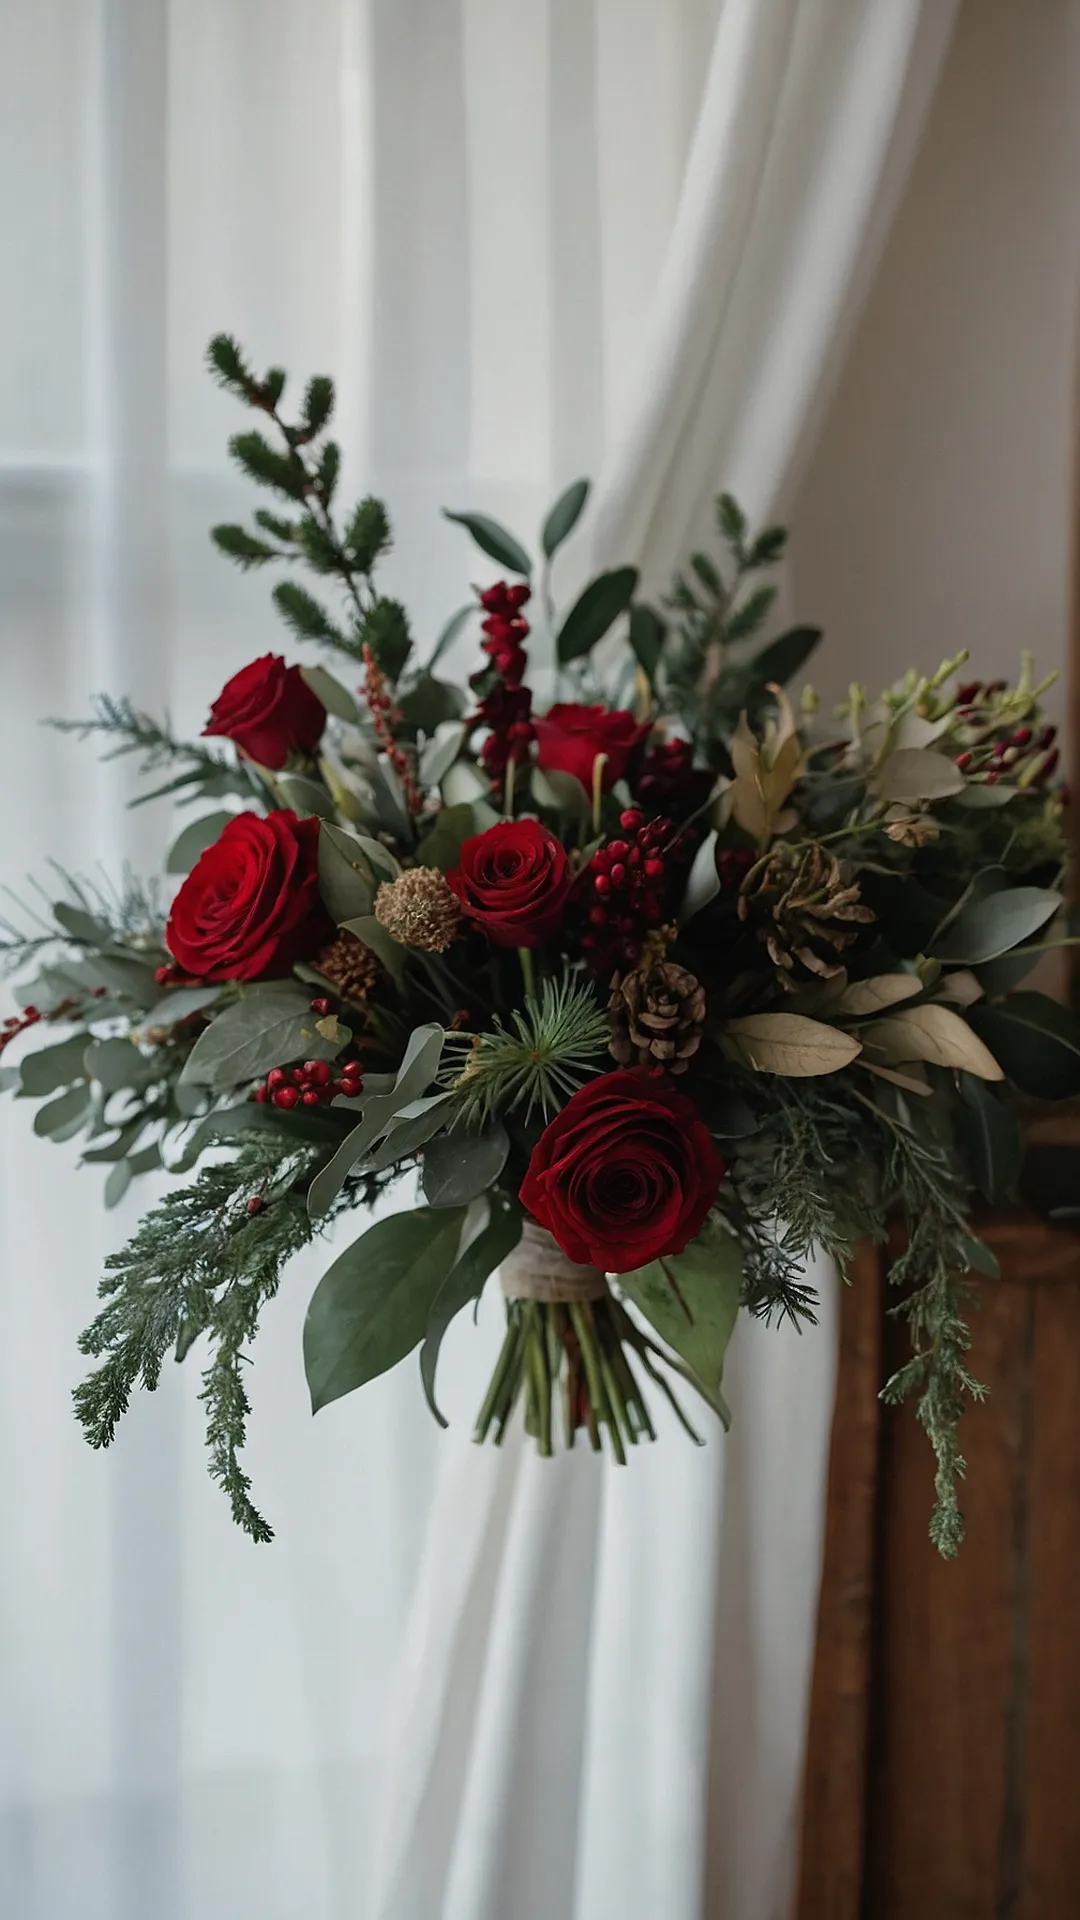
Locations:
419 910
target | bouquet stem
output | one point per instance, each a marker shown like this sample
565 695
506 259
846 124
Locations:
570 1343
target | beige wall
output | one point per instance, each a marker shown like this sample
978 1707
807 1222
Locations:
936 511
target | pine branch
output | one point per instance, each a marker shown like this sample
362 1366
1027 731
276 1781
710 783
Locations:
135 732
555 1044
200 1264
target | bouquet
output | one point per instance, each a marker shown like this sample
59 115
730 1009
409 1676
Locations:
642 995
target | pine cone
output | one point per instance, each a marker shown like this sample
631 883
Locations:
806 909
351 967
419 910
657 1014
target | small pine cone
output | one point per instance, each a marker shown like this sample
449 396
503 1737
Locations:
419 910
805 908
351 967
657 1014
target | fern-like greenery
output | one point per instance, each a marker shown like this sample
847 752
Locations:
552 1046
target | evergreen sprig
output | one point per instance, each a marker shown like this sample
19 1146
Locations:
200 1264
553 1045
132 731
304 471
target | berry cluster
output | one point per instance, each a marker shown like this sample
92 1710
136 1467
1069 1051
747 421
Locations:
312 1085
626 891
384 714
992 745
14 1025
733 864
504 705
670 781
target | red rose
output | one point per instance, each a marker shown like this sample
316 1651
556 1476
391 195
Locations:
625 1174
269 712
570 737
513 882
250 905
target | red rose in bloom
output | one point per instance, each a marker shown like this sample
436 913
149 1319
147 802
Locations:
250 905
625 1174
513 882
569 738
269 712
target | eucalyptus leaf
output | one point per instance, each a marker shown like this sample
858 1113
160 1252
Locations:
82 926
62 1118
347 880
117 1183
647 633
564 516
494 540
441 847
988 1131
179 1004
428 703
460 1166
913 774
49 1068
1035 1040
268 1026
594 611
371 1306
453 627
382 944
133 979
118 1064
691 1301
441 751
409 1130
562 792
415 1074
986 928
703 880
308 798
194 840
335 698
465 1281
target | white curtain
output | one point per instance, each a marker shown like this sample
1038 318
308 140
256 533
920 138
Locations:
531 239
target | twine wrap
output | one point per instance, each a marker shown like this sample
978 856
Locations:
538 1269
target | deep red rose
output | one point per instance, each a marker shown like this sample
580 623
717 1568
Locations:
250 906
269 712
625 1174
513 882
569 738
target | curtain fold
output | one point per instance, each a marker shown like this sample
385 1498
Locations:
530 241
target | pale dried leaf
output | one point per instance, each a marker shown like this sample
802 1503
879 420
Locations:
873 996
936 1034
790 1044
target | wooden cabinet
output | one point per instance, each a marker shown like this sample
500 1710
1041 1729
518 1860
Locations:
943 1760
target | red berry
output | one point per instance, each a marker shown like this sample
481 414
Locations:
322 1006
1047 737
632 820
255 1204
598 916
654 869
992 777
518 596
259 1096
318 1072
311 1098
618 875
299 1077
1021 737
968 692
1051 763
275 1078
286 1097
618 849
602 883
964 760
30 1016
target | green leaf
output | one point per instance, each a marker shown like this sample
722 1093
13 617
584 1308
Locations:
386 632
52 1067
441 848
266 1027
371 1306
62 1118
460 1166
730 519
81 925
382 944
335 698
564 516
465 1282
307 798
134 979
451 630
562 792
768 547
783 657
748 617
262 463
986 928
708 574
117 1183
415 1074
703 880
367 533
988 1131
980 1257
440 752
1035 1040
495 541
409 1130
302 612
118 1064
594 611
179 1004
347 879
647 633
241 546
318 402
429 702
691 1301
194 840
912 774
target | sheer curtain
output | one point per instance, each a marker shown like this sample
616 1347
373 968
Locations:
531 240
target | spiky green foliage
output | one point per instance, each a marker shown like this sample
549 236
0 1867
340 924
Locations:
200 1266
552 1046
130 731
304 469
